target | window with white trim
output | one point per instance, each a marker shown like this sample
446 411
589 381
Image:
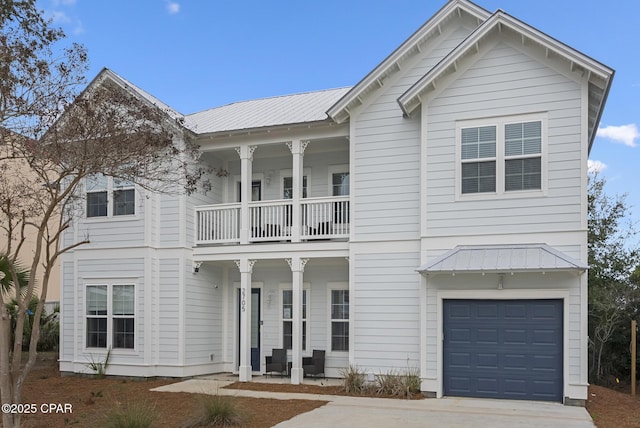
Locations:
339 320
110 316
100 189
498 156
287 319
287 187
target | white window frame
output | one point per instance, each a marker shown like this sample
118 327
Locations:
289 173
110 316
110 190
306 288
330 288
337 169
256 176
500 158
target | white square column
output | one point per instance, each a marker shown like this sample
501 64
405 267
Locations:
297 269
246 268
297 148
246 177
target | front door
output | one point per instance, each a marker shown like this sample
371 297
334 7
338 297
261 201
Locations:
255 328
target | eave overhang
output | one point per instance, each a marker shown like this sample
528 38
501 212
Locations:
502 259
341 110
597 75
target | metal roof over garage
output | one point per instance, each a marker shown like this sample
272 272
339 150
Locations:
502 258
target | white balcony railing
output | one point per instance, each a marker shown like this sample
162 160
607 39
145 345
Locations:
325 218
321 218
218 224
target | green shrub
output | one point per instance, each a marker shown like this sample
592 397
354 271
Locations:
99 368
354 380
217 410
398 383
134 414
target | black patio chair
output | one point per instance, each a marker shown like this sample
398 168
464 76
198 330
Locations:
314 365
276 362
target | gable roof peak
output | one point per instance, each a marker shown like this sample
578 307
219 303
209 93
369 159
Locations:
340 111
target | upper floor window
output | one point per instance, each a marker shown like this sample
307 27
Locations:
497 156
340 183
287 187
100 190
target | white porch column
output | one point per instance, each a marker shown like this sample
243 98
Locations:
246 158
297 148
297 268
246 268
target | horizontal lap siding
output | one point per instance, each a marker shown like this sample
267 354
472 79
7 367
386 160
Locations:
169 309
203 315
67 309
170 222
387 311
386 153
113 233
503 82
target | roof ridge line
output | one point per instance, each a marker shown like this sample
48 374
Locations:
269 98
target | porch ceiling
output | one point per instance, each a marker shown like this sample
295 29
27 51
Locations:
280 149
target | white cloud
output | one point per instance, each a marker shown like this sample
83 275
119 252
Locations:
60 17
625 134
595 166
64 2
79 28
173 7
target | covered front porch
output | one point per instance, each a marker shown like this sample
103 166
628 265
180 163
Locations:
299 304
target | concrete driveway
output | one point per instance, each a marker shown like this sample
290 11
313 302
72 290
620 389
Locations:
446 412
354 412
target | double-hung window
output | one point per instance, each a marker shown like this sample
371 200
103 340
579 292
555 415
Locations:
287 187
339 320
96 187
523 156
478 159
107 196
287 319
110 316
499 156
124 197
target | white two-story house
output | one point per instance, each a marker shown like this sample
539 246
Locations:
431 217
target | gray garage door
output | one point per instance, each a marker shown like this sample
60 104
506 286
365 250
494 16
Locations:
503 349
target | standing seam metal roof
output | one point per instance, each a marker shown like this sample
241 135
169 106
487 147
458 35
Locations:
282 110
502 258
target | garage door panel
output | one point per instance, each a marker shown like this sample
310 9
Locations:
515 336
460 335
515 311
487 336
487 311
487 361
511 349
544 337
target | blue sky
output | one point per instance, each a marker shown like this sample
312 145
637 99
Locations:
197 54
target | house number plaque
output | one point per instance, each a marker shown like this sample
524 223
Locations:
243 300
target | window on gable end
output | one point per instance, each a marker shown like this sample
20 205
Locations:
500 156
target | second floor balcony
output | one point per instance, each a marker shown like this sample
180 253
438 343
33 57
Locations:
283 192
269 221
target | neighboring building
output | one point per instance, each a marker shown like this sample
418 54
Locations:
433 217
14 170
